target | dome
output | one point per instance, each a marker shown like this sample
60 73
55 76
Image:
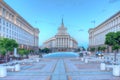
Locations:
61 55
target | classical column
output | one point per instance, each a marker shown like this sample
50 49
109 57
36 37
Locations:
57 42
118 19
15 18
64 42
60 42
1 10
67 42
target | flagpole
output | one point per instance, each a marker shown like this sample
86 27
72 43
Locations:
93 22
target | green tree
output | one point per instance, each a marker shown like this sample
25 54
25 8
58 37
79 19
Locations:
103 48
92 49
113 40
31 50
117 38
23 52
8 45
78 49
46 50
110 39
83 48
2 51
115 47
40 50
99 48
26 52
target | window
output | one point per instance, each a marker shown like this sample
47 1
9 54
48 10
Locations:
4 29
7 30
0 20
10 25
7 24
3 22
7 36
3 12
0 27
12 17
10 37
10 32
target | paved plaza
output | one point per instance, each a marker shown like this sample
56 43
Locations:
60 69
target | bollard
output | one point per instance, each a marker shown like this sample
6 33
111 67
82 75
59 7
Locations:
86 60
82 59
3 71
37 60
17 67
102 66
116 70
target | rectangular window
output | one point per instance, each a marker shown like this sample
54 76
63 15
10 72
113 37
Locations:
4 29
7 30
0 27
3 22
7 24
4 12
10 25
0 20
7 36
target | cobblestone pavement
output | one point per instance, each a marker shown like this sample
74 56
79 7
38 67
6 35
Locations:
60 69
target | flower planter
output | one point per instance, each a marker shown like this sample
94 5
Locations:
82 59
17 67
102 66
86 60
116 70
3 71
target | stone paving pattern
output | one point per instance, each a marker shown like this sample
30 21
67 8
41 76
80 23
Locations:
60 69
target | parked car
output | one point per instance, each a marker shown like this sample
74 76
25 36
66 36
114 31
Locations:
99 54
80 54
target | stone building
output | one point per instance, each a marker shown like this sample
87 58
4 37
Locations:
13 26
97 34
62 41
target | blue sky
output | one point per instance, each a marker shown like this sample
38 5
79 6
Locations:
78 15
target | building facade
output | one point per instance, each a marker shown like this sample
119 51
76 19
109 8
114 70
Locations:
62 41
97 34
13 26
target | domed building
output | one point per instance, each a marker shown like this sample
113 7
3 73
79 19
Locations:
62 41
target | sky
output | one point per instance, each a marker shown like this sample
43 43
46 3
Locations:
79 16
